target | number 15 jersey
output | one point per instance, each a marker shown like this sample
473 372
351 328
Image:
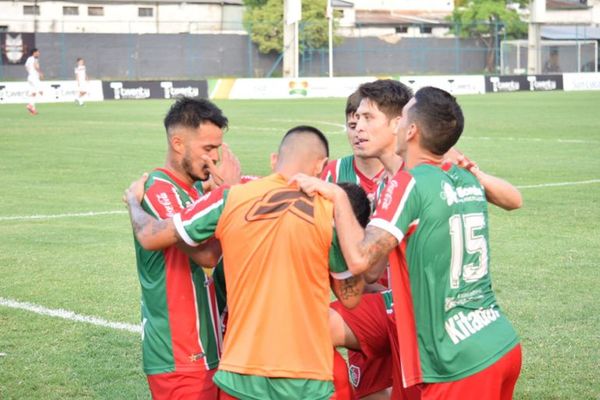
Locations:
448 322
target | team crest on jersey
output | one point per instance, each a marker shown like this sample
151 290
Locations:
196 357
386 200
277 202
461 194
354 372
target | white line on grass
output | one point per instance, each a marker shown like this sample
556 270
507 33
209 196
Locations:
543 185
517 139
68 215
69 315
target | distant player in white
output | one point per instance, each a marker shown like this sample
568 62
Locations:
34 74
81 78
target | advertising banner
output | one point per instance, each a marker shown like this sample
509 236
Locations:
53 92
515 83
140 90
585 81
288 88
458 84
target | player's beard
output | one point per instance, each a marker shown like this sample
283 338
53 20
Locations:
188 168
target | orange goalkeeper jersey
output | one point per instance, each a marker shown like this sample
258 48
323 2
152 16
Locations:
276 243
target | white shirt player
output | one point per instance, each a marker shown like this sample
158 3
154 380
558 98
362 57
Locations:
80 74
31 65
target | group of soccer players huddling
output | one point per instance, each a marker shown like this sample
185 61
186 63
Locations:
398 230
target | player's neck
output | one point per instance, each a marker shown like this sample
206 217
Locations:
392 162
420 156
176 170
369 167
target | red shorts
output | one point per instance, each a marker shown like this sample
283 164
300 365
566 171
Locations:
341 380
371 368
196 385
496 382
225 396
369 374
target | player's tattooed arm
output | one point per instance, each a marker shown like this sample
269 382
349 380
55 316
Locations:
361 249
152 234
349 290
373 274
375 248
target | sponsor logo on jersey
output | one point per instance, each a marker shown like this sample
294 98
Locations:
277 202
460 326
163 200
462 299
461 194
386 200
354 375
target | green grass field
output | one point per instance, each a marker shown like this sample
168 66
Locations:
69 160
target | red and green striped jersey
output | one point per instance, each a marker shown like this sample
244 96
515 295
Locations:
344 170
181 330
448 321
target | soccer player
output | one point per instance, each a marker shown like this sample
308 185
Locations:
454 340
362 210
278 251
81 79
355 168
378 116
34 74
367 171
181 333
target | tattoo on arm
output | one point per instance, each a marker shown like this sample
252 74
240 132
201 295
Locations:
377 244
140 220
350 288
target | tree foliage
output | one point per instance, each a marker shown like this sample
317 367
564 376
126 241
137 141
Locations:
264 21
487 20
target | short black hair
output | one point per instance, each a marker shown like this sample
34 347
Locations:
352 103
79 59
359 201
390 95
33 50
439 117
307 129
192 112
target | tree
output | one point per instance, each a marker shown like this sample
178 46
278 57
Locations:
264 20
486 20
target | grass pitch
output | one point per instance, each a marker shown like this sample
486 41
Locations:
71 160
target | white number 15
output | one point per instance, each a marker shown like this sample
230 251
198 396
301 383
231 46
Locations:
463 237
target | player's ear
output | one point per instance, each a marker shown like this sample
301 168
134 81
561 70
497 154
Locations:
274 158
412 132
396 124
320 166
177 143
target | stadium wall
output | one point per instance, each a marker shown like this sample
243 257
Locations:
199 56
